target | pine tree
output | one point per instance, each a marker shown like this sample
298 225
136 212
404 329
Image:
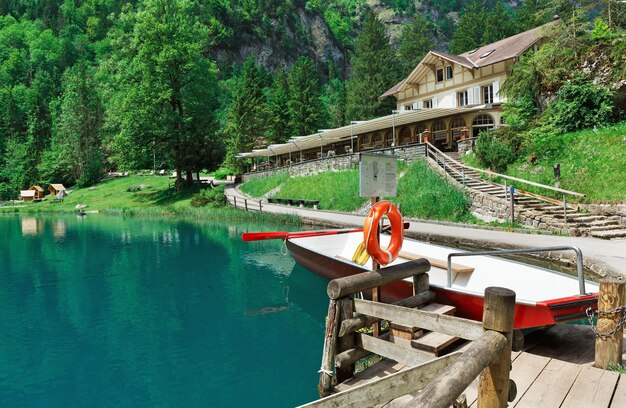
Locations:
373 72
305 106
334 101
469 31
531 14
498 25
415 42
245 119
278 129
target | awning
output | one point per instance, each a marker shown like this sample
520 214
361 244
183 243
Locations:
344 133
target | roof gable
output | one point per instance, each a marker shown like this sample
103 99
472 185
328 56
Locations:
493 53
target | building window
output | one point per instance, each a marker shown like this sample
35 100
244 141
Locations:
427 104
487 93
461 98
480 123
408 107
449 72
439 74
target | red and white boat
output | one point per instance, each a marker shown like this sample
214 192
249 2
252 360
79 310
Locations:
543 297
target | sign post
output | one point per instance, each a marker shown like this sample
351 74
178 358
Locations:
512 205
377 178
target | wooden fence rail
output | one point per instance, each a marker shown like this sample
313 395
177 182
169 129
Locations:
489 355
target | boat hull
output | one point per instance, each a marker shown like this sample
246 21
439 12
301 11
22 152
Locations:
468 305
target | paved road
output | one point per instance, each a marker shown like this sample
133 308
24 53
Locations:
601 256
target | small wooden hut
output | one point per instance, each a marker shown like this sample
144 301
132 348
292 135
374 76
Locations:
55 188
27 195
39 193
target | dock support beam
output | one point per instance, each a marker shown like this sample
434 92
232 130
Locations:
610 330
498 313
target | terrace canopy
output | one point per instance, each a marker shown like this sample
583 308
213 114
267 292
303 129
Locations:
330 136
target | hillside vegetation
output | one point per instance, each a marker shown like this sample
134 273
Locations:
592 161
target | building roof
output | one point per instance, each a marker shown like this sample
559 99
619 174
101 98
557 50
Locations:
489 54
57 187
27 193
345 133
505 49
36 188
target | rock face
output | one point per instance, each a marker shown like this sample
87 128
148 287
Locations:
308 35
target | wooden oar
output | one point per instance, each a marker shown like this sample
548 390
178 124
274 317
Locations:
261 236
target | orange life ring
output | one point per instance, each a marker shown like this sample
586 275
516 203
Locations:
370 232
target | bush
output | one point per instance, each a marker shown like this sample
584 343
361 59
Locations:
493 152
581 104
213 197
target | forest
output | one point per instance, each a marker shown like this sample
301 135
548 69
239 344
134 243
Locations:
92 86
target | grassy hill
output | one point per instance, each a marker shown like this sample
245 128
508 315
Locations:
593 162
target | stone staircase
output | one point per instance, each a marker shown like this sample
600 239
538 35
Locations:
530 209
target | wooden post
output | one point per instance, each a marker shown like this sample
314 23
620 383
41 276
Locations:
245 203
609 348
260 207
376 267
498 313
325 385
235 201
346 342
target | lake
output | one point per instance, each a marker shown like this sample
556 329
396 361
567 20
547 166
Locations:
134 312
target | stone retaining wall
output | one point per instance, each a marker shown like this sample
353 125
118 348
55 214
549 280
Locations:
466 145
408 153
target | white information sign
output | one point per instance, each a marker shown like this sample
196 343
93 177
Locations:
378 175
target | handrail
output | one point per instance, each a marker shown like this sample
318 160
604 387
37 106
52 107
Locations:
532 183
579 259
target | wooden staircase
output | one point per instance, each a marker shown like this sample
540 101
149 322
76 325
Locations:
531 209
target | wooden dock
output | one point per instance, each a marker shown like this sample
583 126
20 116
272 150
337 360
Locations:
554 370
430 358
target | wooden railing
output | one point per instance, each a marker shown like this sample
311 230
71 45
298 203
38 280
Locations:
441 380
244 203
444 161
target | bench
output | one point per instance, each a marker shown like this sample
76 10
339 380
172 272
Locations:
438 263
301 202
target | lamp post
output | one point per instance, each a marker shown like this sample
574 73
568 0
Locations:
393 128
298 147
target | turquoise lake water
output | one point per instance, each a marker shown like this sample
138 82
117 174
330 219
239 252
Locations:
132 312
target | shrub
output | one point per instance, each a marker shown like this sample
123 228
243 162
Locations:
493 153
581 104
213 197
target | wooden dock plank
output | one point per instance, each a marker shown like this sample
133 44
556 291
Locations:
551 386
593 388
619 397
526 369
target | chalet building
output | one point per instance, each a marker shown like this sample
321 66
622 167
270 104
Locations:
54 189
446 98
39 193
27 195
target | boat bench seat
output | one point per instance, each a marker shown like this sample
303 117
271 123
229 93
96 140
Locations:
295 201
438 263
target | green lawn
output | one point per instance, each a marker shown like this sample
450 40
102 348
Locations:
262 185
424 194
158 198
336 190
